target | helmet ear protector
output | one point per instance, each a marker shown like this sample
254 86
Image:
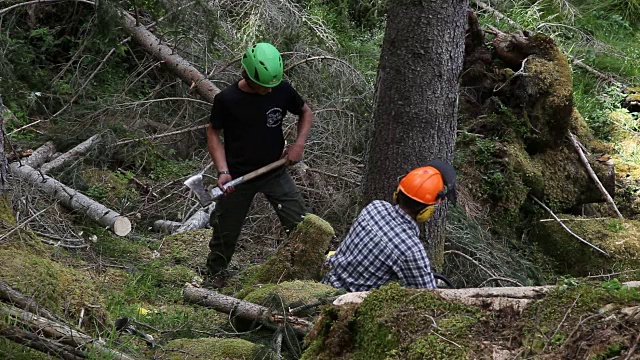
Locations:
425 213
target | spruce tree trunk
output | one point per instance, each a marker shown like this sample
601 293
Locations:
416 98
3 156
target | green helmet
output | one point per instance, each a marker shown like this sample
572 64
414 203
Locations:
263 64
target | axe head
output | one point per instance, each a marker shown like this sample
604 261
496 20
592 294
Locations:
197 186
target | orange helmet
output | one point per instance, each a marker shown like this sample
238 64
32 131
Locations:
424 185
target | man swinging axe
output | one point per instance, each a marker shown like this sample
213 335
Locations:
249 114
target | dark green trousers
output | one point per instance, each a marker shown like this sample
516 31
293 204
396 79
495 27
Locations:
231 211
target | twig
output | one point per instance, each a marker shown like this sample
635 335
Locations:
472 260
499 278
164 99
321 58
561 322
153 137
519 72
633 348
612 274
445 339
585 162
588 219
498 14
566 228
24 223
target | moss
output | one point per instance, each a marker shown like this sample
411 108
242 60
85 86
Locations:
213 349
620 238
58 288
382 329
563 309
290 294
188 248
110 188
300 257
114 247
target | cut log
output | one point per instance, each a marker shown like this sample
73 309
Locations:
165 226
74 200
197 221
44 345
496 298
60 332
243 309
176 63
71 155
41 155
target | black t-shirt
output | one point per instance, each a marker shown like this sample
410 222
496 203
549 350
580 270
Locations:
252 124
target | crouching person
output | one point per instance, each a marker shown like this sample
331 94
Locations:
383 244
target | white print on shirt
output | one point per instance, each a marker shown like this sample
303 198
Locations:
274 117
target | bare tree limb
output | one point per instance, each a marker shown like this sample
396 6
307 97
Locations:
70 155
585 162
567 229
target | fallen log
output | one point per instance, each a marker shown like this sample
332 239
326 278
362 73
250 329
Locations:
489 298
43 345
176 63
74 200
244 310
41 155
60 332
197 221
70 155
165 226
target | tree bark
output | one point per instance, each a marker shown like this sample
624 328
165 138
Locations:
243 309
71 155
60 332
416 98
3 156
488 298
197 221
165 226
41 155
44 345
74 200
178 65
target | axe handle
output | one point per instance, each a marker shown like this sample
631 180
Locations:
216 192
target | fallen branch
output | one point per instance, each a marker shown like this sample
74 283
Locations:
566 228
14 297
60 332
74 200
41 155
165 226
22 224
585 162
197 221
43 345
243 309
153 137
70 155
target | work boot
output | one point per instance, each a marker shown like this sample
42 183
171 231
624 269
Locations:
214 281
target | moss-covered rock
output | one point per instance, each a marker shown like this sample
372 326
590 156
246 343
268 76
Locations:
620 238
214 349
300 257
290 294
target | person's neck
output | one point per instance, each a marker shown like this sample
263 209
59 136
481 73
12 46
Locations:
408 212
244 86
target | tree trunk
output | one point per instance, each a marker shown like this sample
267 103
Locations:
3 157
71 155
74 200
165 226
416 98
176 64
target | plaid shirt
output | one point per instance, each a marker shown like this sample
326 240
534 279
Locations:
383 245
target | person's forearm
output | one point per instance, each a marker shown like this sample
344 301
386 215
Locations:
304 125
216 149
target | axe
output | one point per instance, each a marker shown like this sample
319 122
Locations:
207 196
